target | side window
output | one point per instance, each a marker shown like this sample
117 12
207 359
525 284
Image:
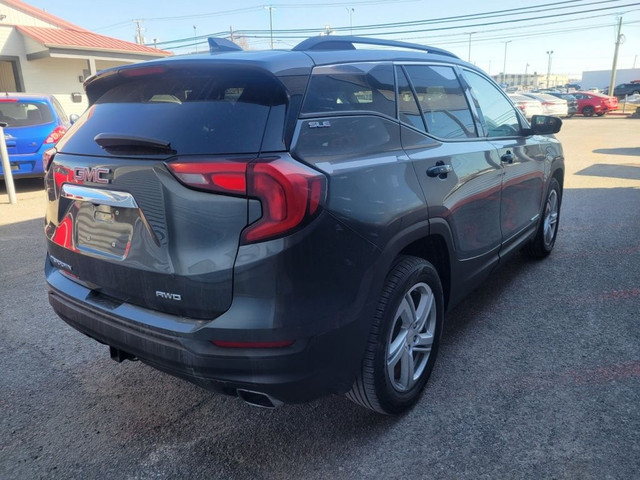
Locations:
498 116
351 88
442 101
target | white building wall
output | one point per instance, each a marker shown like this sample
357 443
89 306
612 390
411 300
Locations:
601 78
57 76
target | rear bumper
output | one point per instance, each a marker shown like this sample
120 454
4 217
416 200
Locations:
24 166
314 365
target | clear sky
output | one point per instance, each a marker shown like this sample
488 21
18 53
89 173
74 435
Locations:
581 33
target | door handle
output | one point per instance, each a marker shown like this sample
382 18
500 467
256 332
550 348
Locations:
439 171
507 157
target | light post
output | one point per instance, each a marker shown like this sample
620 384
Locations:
350 11
526 79
270 8
195 39
504 64
469 56
549 53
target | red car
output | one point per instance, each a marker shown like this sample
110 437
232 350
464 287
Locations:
590 103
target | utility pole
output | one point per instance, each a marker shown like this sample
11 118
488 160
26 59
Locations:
619 40
270 8
526 79
139 28
231 33
504 65
549 53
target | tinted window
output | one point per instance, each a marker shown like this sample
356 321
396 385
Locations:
352 87
407 103
442 101
196 111
496 112
25 114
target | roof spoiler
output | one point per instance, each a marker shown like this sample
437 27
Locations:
219 45
338 42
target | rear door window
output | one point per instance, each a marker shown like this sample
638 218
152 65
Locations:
442 102
197 111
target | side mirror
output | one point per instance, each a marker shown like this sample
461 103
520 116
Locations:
73 118
544 125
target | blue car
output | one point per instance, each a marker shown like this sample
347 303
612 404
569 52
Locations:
35 123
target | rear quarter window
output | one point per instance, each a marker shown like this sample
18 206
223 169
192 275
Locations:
360 87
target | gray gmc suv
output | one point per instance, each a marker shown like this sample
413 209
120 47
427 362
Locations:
282 225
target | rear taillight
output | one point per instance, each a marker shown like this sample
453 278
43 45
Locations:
290 193
56 135
47 157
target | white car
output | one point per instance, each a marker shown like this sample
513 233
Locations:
551 105
529 106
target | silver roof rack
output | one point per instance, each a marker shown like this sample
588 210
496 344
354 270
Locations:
337 42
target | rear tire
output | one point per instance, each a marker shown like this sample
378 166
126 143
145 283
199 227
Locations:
404 338
542 244
588 111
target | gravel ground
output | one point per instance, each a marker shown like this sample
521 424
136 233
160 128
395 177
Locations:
538 375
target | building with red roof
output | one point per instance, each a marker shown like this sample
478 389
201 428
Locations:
41 53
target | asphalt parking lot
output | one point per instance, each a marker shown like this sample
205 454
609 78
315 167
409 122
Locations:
538 374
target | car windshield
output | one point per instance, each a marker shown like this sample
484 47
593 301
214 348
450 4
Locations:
25 114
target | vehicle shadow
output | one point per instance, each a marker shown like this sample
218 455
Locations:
631 172
635 151
26 185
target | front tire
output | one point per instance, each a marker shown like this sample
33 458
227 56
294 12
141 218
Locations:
542 244
588 111
404 338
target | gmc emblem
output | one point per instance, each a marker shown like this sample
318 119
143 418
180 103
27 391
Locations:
92 175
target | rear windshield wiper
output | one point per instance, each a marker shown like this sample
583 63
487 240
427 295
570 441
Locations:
132 145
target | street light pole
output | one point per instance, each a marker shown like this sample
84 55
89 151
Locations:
504 64
469 56
350 11
195 39
549 53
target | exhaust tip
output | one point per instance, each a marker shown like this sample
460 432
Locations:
120 355
258 399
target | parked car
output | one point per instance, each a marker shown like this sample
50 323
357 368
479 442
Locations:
572 102
35 123
551 105
590 103
572 86
624 89
528 105
284 225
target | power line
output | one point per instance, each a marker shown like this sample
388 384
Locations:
304 33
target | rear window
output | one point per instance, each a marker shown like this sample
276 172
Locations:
197 111
25 114
360 87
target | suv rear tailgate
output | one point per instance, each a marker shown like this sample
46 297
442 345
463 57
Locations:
143 238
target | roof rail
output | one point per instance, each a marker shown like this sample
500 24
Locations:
218 45
338 42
